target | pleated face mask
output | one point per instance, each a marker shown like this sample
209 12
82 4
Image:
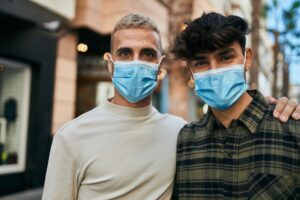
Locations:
221 88
135 80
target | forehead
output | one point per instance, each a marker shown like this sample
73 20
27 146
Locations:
135 38
234 48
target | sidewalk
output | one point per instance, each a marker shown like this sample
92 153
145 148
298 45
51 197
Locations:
35 194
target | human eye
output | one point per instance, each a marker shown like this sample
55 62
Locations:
124 54
226 57
149 55
199 63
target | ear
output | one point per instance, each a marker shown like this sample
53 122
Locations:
191 83
161 73
249 57
110 63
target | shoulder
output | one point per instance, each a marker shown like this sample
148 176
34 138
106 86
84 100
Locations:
194 130
291 125
169 119
175 119
72 128
291 128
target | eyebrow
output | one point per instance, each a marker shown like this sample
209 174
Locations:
225 51
123 49
199 57
149 49
202 56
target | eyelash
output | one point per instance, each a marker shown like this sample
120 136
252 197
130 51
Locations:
124 53
201 62
227 57
149 54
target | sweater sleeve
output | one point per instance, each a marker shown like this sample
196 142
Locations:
61 176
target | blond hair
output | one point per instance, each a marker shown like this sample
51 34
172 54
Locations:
136 21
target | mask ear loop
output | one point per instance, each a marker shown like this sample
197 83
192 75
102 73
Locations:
191 83
110 57
244 63
113 62
163 71
245 58
161 58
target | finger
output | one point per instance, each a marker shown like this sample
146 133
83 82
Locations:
296 114
281 103
287 111
271 100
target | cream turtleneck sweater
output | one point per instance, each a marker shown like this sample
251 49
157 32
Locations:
114 152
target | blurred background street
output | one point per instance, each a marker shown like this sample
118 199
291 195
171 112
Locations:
33 194
53 68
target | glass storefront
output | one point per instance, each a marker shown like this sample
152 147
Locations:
15 82
105 90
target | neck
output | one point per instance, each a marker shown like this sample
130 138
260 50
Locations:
226 116
118 99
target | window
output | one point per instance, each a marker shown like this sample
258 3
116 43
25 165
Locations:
105 90
14 113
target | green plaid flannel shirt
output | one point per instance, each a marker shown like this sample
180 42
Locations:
256 157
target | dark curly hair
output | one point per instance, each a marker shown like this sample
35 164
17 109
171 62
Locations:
210 32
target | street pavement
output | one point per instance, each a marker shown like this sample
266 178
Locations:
35 194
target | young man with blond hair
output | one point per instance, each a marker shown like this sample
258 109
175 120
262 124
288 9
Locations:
124 149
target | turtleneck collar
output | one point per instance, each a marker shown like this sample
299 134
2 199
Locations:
127 111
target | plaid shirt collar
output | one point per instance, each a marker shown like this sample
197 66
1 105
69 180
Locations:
251 117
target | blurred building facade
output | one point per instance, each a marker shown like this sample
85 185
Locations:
295 92
30 32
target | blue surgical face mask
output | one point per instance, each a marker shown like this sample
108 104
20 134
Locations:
221 88
135 80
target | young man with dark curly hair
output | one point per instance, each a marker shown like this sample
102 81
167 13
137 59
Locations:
238 150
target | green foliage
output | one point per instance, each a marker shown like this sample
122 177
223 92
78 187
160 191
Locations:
288 18
296 5
265 10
